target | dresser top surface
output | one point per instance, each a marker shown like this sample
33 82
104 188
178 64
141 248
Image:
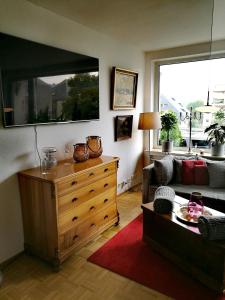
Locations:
68 168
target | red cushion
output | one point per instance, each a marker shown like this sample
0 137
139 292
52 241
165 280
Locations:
201 175
188 170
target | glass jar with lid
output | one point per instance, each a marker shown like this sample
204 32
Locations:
48 158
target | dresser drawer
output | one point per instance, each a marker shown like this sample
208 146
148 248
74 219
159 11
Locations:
81 232
89 208
78 180
83 194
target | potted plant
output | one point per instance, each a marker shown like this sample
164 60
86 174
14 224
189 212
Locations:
168 122
216 136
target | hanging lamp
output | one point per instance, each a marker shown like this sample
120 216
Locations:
208 108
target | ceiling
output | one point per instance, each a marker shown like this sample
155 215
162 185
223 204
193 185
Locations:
147 24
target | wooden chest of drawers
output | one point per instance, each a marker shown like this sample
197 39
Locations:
65 209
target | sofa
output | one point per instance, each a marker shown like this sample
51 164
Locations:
205 176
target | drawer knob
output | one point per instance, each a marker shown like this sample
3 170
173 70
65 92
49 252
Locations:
75 237
91 191
74 219
73 182
92 207
106 184
74 199
105 217
92 224
91 174
106 170
106 200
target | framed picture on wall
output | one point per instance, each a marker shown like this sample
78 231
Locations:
123 127
124 89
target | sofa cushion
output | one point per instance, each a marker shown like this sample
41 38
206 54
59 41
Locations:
178 167
215 194
201 175
216 174
177 170
188 170
164 170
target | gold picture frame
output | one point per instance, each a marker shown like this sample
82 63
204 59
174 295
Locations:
124 89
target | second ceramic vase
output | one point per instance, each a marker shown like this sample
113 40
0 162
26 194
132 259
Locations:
94 145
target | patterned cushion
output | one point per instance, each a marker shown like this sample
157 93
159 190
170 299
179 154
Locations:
163 200
164 170
164 192
216 174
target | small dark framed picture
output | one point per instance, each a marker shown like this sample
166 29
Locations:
124 89
123 127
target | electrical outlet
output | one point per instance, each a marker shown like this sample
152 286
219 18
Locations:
121 184
124 183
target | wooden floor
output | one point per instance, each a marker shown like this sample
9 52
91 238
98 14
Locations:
29 278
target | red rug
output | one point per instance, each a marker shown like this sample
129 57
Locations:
127 255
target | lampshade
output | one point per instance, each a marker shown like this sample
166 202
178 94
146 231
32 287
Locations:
149 120
207 109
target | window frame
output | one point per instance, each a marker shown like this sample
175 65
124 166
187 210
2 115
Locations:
155 59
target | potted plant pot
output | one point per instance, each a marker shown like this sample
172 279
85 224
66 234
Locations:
217 150
169 122
167 146
216 136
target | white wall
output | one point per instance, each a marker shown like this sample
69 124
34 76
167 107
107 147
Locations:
17 146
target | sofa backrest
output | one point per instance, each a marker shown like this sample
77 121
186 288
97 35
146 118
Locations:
170 168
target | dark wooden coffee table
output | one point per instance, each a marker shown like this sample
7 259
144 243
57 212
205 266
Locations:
183 244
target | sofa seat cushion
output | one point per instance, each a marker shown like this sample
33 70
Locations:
213 198
206 191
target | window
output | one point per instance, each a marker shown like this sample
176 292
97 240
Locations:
184 86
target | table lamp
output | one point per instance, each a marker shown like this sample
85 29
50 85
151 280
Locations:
149 121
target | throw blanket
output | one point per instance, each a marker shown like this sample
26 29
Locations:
212 228
163 200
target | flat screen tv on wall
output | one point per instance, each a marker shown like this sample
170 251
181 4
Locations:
42 84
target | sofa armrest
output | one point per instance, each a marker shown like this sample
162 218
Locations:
149 184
